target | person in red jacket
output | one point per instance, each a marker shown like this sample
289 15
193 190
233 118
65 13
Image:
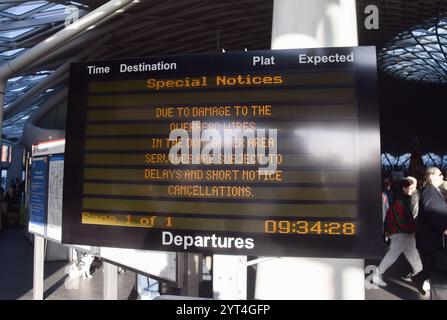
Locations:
400 227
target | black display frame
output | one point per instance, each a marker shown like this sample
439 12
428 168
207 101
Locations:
368 242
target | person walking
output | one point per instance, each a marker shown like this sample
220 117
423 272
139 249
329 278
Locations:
415 197
400 227
432 224
387 198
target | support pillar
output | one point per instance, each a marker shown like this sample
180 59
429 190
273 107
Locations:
314 24
38 267
229 277
193 274
110 281
311 24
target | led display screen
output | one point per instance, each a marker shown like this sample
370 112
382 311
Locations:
254 153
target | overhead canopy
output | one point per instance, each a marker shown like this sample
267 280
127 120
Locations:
150 28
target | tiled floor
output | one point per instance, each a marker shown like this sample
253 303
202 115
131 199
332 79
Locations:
396 288
16 274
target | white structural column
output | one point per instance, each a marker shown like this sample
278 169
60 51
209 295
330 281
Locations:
38 266
306 24
110 281
192 275
229 277
314 23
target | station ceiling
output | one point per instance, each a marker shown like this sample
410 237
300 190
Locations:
397 16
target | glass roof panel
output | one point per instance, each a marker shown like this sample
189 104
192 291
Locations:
43 16
25 7
418 33
55 7
423 55
18 89
15 79
439 56
385 160
403 161
11 34
11 52
32 78
418 54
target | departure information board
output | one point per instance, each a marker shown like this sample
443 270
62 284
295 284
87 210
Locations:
38 199
254 153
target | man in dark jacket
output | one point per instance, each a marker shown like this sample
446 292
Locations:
432 223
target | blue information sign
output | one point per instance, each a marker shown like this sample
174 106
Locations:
38 200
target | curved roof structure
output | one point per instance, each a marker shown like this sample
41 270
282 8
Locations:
149 28
419 54
396 16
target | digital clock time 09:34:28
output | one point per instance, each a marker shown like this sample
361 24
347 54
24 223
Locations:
347 228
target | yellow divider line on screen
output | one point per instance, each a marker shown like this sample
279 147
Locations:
220 208
222 191
337 95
